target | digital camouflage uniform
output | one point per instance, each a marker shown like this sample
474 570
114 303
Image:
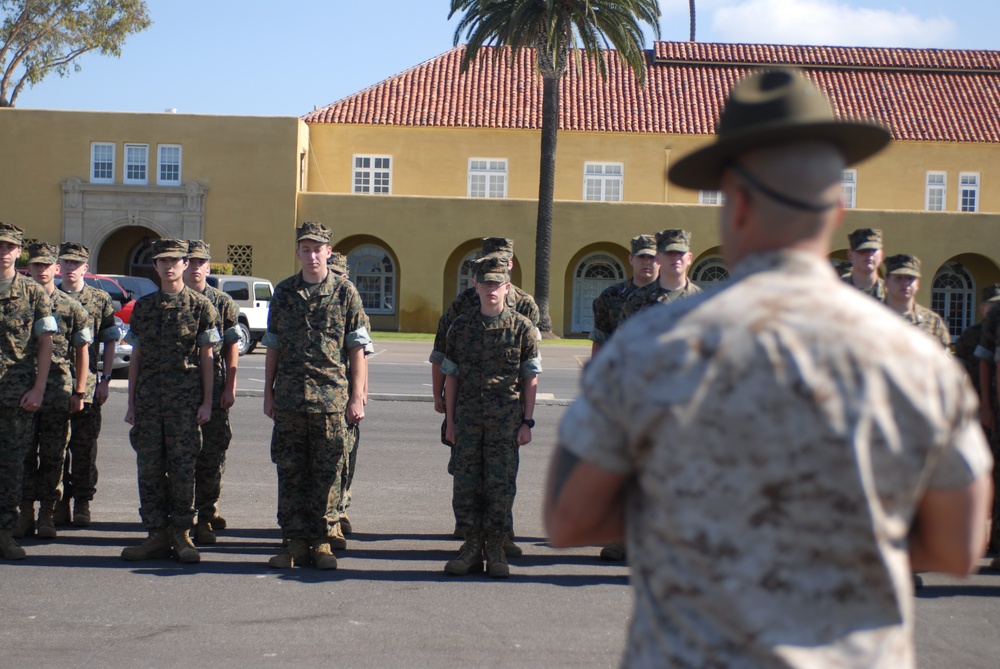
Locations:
987 350
607 306
860 240
929 322
310 326
169 331
653 293
876 290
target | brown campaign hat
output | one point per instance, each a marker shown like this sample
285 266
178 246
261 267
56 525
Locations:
170 248
774 107
673 240
316 232
865 238
644 245
74 251
11 233
199 249
903 263
42 252
498 245
491 268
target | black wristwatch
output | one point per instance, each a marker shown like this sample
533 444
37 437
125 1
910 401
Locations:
530 422
106 377
77 393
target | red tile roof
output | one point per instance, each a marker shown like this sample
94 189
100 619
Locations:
920 94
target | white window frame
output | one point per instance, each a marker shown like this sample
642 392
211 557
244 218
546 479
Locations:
94 147
711 197
142 149
487 177
376 169
379 281
936 186
606 178
465 271
709 271
968 192
849 188
160 164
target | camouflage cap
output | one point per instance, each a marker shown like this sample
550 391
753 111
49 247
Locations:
644 245
673 240
492 267
865 238
498 245
11 233
170 248
903 263
42 252
338 262
74 251
316 232
199 249
991 293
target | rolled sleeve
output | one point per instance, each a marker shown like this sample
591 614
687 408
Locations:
131 338
597 335
531 367
961 463
437 357
113 333
271 340
449 367
82 338
46 325
984 353
359 337
591 434
231 336
208 337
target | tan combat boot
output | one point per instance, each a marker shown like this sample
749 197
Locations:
336 537
61 516
218 522
46 525
25 520
510 549
322 556
203 533
180 543
496 561
155 547
9 548
81 512
613 552
470 557
295 553
345 524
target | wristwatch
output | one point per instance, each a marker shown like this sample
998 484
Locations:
530 422
77 393
106 377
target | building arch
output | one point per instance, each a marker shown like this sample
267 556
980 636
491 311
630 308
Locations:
119 244
456 276
590 271
709 270
375 272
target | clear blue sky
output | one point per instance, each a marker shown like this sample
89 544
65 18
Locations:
265 58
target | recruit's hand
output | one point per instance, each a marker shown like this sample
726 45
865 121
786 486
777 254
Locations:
32 400
523 435
75 404
130 415
269 406
103 391
439 404
204 413
227 400
355 411
449 432
986 416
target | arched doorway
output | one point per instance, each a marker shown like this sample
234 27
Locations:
953 297
126 251
593 274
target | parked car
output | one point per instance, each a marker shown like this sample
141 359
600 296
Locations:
121 298
137 286
123 354
253 297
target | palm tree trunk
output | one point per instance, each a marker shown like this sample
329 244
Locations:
546 195
691 15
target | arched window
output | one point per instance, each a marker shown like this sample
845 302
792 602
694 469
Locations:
141 260
594 273
465 271
709 271
374 275
953 297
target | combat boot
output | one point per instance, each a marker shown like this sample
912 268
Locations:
180 543
9 548
345 524
46 525
510 549
613 552
155 547
295 553
496 561
61 516
470 557
81 512
203 533
25 521
336 537
218 522
322 556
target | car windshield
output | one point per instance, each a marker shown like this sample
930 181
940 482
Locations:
139 286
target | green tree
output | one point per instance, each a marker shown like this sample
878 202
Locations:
41 37
555 28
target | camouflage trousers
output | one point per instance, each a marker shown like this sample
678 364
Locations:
166 449
308 452
337 504
80 474
215 437
485 457
45 457
15 435
511 483
994 438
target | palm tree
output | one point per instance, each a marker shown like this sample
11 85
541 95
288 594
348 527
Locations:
691 15
553 28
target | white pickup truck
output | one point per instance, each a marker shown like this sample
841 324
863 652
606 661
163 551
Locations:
253 297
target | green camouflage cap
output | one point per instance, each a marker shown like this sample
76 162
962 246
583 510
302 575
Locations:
498 245
199 249
338 262
903 263
11 233
673 240
74 251
991 293
865 238
42 252
491 267
644 245
316 232
170 248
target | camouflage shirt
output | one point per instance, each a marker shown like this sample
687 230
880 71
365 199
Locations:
74 330
652 293
965 351
608 310
226 322
987 348
103 327
517 301
26 313
774 454
929 322
876 290
310 327
170 331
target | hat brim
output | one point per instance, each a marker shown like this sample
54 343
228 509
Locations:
313 238
675 247
702 169
996 298
42 260
907 271
868 245
73 257
198 256
11 240
171 254
645 252
492 276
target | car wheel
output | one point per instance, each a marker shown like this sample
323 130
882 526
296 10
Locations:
246 343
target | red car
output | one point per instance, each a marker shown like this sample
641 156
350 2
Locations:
120 298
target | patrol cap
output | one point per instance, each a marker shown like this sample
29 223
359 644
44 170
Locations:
865 238
903 263
42 252
11 233
74 251
199 249
644 245
312 231
338 262
170 248
492 267
991 293
673 240
498 245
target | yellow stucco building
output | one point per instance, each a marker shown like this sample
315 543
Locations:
411 173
